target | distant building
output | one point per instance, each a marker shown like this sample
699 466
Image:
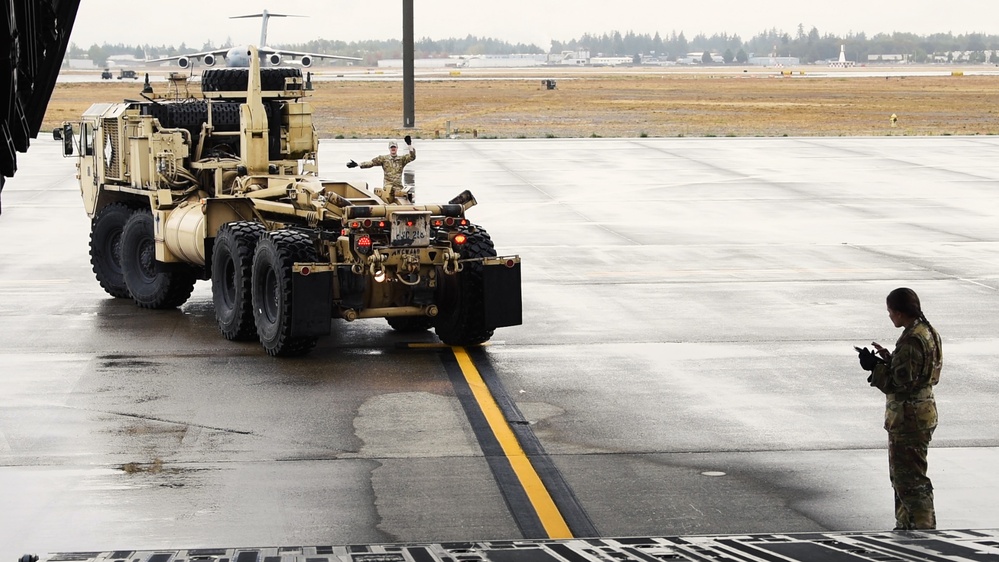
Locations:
698 58
570 58
611 61
965 56
654 60
890 59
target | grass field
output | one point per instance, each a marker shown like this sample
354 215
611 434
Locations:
623 104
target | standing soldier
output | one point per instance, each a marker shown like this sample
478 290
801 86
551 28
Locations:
907 376
392 164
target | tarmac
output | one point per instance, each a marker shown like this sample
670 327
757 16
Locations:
685 367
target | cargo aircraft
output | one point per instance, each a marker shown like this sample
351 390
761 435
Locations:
239 57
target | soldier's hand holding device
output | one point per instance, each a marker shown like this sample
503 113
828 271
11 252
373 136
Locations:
867 358
882 352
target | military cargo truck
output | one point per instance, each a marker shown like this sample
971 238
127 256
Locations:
225 187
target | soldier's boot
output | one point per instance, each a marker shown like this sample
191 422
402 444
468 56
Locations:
903 521
921 512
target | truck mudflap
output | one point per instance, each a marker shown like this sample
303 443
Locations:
501 290
312 303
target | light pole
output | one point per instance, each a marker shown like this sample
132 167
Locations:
408 81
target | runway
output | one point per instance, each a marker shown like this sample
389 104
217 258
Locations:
685 366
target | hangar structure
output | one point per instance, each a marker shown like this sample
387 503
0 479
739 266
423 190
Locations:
35 36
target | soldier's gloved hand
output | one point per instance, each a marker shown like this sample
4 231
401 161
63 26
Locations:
351 164
408 139
867 359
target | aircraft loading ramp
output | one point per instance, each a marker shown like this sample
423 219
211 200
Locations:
949 545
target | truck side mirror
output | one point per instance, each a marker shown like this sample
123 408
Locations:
67 139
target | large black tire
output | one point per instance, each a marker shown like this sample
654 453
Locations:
224 79
105 248
232 266
275 254
151 285
192 114
461 298
410 323
235 79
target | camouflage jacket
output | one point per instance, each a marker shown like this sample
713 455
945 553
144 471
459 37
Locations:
907 380
392 167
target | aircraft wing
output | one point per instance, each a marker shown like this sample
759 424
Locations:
305 57
184 61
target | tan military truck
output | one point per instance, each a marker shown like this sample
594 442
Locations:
225 188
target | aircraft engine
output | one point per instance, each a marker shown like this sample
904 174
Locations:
306 61
209 60
274 58
183 62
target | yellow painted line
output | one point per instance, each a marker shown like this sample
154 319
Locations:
418 345
430 345
548 512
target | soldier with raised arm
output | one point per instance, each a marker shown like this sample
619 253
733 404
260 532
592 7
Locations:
392 165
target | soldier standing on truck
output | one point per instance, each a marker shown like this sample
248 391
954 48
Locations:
392 164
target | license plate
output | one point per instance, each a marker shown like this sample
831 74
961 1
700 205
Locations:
411 229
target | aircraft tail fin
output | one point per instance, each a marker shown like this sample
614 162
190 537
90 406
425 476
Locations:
265 15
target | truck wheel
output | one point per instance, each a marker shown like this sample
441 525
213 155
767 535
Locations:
232 263
410 323
105 248
462 318
271 283
151 285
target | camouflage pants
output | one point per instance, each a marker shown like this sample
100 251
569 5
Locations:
913 489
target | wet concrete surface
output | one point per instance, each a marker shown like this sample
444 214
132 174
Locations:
690 307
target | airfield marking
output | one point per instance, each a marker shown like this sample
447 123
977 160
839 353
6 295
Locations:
531 487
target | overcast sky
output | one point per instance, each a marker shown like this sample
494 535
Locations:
172 22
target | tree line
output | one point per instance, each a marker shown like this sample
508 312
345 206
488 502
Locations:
808 47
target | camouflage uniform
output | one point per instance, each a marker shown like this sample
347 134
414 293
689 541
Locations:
392 166
907 380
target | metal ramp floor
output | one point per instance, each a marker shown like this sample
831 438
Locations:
942 545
